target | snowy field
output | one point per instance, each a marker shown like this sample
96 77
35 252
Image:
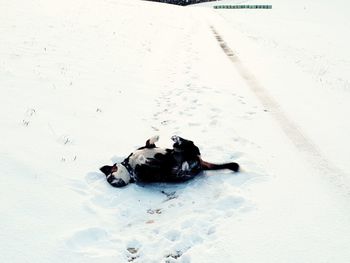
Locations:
83 83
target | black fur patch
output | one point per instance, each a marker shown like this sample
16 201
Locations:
115 182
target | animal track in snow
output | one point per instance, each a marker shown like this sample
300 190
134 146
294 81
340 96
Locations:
30 113
132 249
93 241
173 235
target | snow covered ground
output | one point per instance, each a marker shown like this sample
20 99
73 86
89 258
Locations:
83 83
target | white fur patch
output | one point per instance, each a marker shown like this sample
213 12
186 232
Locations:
176 139
122 173
185 166
154 139
141 159
140 156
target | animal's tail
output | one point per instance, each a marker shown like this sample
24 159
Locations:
211 166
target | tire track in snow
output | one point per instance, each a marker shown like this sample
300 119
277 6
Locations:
290 128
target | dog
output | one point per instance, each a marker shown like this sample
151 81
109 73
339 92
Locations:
154 164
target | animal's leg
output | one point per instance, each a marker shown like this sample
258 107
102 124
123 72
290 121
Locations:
150 143
178 139
188 150
211 166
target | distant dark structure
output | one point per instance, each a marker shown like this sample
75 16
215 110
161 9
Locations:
182 2
243 6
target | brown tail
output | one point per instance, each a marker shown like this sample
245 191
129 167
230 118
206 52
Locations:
211 166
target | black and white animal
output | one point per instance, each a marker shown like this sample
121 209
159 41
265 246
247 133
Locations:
153 164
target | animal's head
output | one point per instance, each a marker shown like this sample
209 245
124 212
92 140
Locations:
117 174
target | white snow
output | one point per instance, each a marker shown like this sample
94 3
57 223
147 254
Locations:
84 83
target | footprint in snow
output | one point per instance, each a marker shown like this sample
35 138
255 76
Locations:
229 203
93 241
172 257
173 235
132 250
154 211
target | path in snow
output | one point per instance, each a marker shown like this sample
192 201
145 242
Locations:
301 141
